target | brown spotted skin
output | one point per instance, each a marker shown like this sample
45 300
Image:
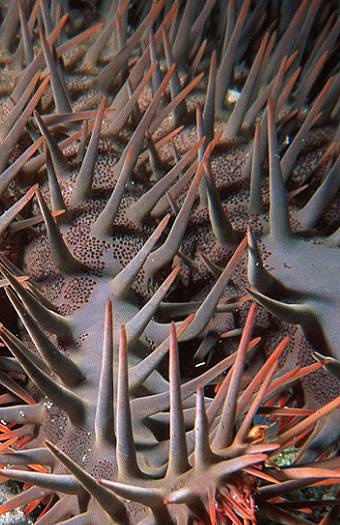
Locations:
83 298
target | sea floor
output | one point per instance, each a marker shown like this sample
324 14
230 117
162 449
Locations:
14 517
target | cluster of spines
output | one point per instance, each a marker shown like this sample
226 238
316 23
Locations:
213 449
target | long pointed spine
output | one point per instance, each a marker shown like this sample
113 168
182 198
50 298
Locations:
136 325
209 103
120 118
313 115
23 414
138 69
104 223
26 37
60 96
163 255
255 199
246 395
8 26
182 40
125 448
278 212
105 79
40 456
104 420
83 185
294 313
202 453
7 217
156 75
6 126
170 197
36 64
287 41
321 199
219 219
62 365
198 25
225 430
110 503
178 453
14 134
226 68
122 282
61 396
48 319
174 102
138 136
247 421
92 54
59 161
34 357
61 255
208 306
57 199
140 372
179 111
147 201
56 482
258 276
235 120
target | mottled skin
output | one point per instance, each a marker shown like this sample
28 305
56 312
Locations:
296 262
